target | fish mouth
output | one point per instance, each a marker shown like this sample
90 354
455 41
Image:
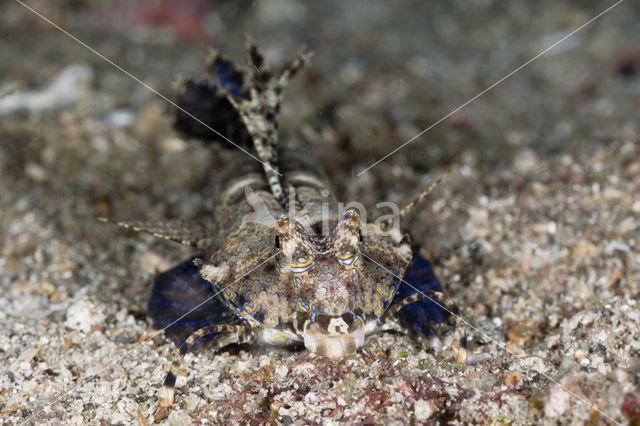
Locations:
334 336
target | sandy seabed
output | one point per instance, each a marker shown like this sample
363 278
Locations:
535 235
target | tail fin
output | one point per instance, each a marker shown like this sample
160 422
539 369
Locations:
242 105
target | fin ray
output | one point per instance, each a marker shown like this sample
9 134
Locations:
182 232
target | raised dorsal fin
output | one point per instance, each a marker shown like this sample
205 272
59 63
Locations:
260 107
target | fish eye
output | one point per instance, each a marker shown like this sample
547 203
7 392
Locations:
277 242
347 260
301 264
300 269
360 237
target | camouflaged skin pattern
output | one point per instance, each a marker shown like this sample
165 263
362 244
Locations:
282 265
183 302
284 219
272 295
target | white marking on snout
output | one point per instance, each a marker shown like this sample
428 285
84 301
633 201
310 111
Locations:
337 326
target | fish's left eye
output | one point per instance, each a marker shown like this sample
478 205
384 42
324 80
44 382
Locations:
301 264
300 269
347 260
